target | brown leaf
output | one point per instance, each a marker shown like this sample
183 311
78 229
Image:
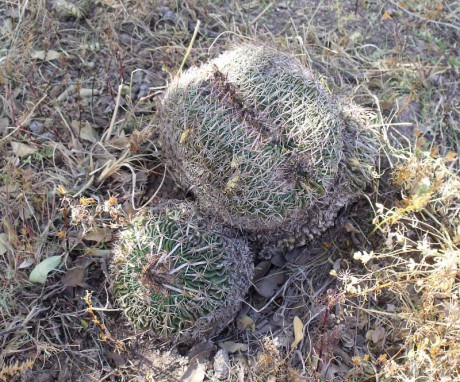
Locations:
10 233
349 227
98 234
450 156
7 26
85 131
420 142
195 373
298 332
4 243
434 152
270 284
456 239
74 277
45 55
245 322
4 123
116 358
232 346
278 260
378 335
201 352
22 149
26 263
9 188
96 252
386 16
261 269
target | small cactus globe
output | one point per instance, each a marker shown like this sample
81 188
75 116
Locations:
176 276
262 144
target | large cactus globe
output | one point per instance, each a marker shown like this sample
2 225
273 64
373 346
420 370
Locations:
263 145
174 275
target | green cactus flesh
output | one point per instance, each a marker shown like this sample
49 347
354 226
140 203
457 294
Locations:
258 140
175 276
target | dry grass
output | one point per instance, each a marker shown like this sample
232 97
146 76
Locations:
79 83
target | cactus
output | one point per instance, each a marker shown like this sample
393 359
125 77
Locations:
178 277
263 145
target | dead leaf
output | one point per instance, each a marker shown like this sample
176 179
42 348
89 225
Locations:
270 284
61 190
260 270
74 277
245 322
27 212
116 358
434 152
349 227
420 142
66 9
232 346
450 156
97 252
376 335
386 16
26 263
201 352
87 201
194 373
22 149
4 123
85 131
456 239
129 209
98 234
7 26
9 188
87 92
332 372
298 332
362 323
45 55
11 235
343 356
278 260
4 244
120 142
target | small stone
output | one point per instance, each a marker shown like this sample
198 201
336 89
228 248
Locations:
36 127
137 77
222 365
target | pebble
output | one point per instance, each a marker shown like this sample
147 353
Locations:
36 127
222 365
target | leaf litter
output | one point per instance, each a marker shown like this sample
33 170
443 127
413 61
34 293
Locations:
71 87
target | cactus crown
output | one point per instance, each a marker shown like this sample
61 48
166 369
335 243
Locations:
175 276
255 135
